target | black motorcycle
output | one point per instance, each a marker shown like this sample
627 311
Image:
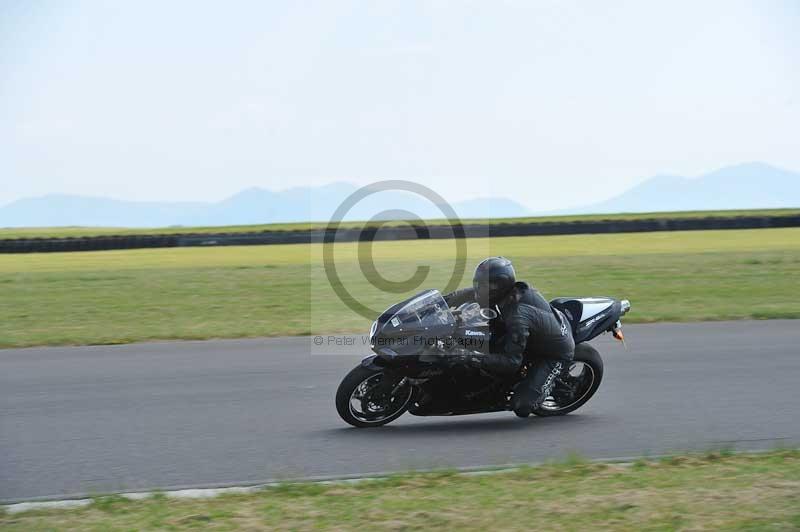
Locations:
413 339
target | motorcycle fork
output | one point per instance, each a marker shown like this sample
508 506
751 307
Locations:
390 383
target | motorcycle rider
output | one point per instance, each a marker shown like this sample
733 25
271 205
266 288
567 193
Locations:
527 327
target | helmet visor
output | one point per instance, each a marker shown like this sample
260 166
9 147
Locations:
489 293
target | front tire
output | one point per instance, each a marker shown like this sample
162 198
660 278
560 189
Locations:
358 403
586 383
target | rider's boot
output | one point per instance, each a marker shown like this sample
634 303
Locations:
522 403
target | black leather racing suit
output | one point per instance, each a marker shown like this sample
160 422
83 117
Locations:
528 327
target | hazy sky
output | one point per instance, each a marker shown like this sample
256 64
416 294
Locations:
554 103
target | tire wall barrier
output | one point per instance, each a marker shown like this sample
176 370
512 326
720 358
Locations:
102 243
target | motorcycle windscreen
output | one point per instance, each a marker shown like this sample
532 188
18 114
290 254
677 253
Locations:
426 313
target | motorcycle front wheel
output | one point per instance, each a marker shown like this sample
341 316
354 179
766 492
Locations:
364 400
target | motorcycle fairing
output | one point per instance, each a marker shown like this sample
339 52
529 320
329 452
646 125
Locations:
593 306
588 316
403 328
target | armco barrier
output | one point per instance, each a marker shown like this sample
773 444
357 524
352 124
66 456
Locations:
99 243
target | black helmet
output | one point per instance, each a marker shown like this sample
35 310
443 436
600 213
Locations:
493 280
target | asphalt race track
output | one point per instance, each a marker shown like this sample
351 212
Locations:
177 414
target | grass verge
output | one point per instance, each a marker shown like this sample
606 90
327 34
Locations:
63 232
227 292
717 491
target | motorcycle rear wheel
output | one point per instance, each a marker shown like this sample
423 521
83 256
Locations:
586 373
358 403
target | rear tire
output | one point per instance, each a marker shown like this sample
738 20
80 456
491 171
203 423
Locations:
591 359
349 387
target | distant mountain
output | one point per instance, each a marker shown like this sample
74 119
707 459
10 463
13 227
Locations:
250 206
745 186
64 210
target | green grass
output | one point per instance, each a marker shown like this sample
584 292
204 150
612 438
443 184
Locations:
712 492
226 292
62 232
